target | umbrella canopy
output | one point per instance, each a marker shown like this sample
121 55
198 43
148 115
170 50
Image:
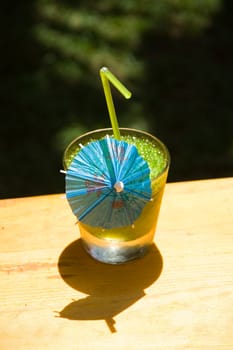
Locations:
108 184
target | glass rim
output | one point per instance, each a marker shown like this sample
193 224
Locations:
136 131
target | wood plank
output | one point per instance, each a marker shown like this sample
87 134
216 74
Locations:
180 296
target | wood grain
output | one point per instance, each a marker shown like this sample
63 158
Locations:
180 296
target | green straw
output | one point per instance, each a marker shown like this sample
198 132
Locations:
107 76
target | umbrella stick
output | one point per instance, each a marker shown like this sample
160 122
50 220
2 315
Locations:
110 322
107 76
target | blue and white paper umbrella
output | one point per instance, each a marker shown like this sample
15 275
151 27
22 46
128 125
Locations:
108 184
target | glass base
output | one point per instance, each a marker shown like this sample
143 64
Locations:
115 251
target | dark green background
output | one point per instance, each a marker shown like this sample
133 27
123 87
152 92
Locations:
175 56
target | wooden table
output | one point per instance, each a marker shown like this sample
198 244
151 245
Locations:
180 296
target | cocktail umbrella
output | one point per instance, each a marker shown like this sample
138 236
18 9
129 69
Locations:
108 184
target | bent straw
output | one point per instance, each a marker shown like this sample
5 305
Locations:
107 76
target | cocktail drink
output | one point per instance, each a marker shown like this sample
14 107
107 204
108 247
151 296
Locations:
111 242
114 184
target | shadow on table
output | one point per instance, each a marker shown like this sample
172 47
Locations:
110 288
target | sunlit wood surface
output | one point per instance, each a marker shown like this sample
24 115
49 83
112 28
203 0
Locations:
180 296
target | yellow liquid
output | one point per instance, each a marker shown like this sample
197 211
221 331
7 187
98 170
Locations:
145 225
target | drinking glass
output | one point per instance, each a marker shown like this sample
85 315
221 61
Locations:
121 244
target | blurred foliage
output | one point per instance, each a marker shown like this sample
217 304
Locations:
174 55
86 36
